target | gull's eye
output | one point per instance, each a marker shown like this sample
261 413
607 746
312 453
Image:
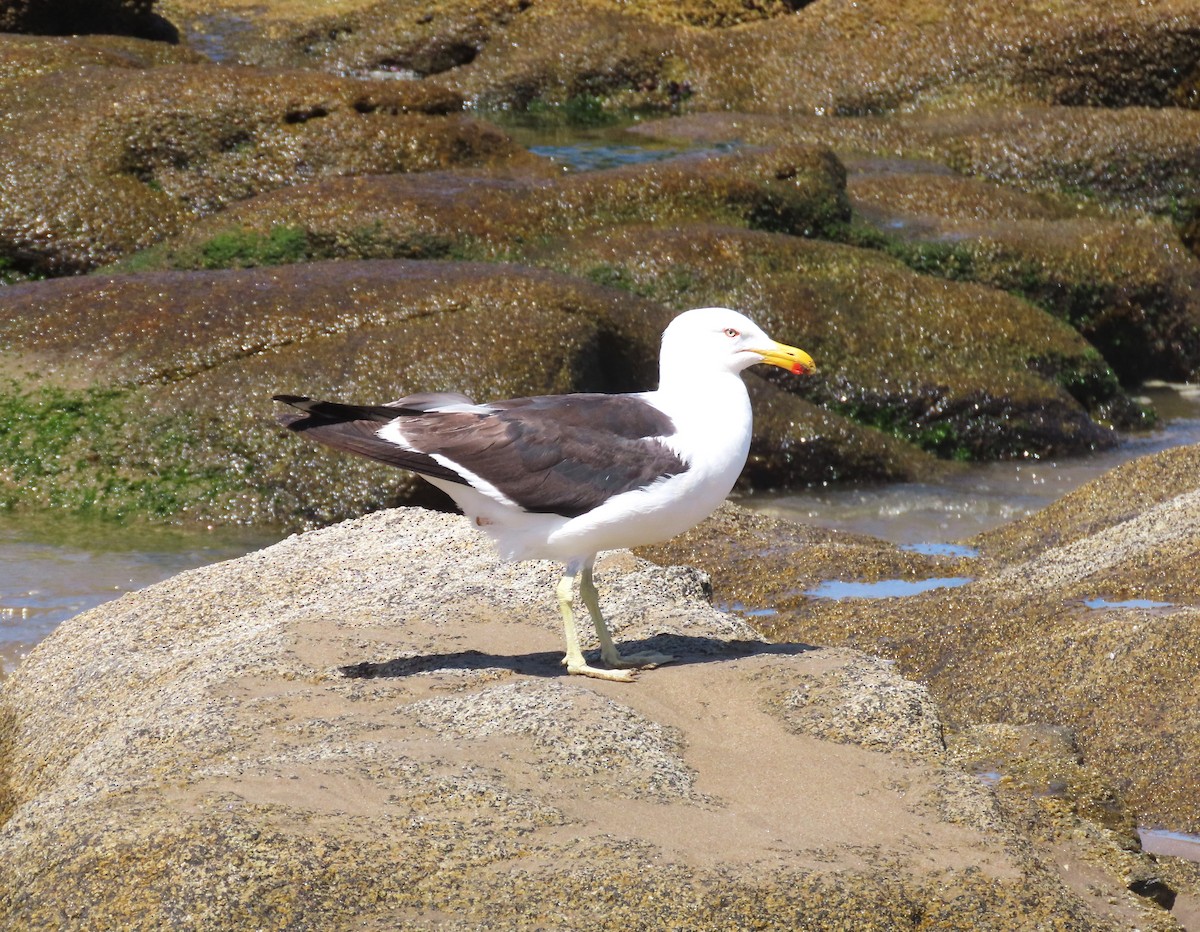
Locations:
731 333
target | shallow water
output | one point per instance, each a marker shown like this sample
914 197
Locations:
54 567
577 148
1174 844
883 589
928 515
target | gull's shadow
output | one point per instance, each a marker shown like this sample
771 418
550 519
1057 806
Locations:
686 649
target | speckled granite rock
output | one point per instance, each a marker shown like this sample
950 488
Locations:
1019 645
367 726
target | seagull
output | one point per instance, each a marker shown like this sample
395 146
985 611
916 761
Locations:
563 477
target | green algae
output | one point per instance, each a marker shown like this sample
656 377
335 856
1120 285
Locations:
953 261
246 249
70 449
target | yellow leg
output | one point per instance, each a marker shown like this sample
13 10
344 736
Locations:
608 650
574 660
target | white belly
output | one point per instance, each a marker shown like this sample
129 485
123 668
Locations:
712 438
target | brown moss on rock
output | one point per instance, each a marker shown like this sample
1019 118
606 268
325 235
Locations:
1126 283
759 563
410 37
1018 645
23 57
1117 496
398 36
1000 383
114 159
506 215
628 59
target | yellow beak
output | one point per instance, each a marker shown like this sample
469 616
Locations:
790 358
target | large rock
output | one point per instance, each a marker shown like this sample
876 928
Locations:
955 369
1126 282
1006 379
109 160
1019 644
503 215
1046 202
368 726
1142 157
150 393
837 56
849 56
23 57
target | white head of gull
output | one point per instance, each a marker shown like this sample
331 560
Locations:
564 477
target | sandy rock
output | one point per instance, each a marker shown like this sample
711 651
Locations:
1019 644
337 732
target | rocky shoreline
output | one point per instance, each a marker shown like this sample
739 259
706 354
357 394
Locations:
334 732
980 219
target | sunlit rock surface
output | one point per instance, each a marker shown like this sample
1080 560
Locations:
336 733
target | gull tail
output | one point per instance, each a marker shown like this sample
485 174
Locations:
355 429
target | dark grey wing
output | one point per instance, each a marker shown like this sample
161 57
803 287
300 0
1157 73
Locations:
555 454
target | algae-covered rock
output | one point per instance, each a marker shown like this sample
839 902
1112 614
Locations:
23 57
416 39
837 56
853 57
799 190
1126 283
1020 644
1135 156
113 159
132 411
335 733
1005 379
759 563
151 394
957 369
